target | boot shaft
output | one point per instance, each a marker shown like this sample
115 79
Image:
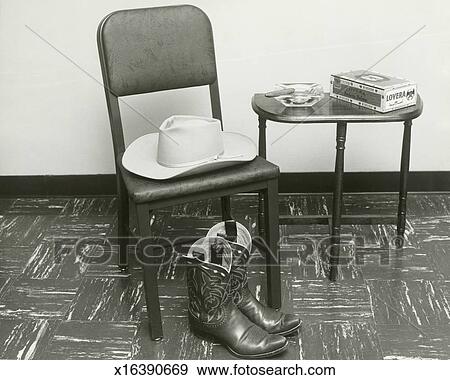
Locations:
209 279
240 241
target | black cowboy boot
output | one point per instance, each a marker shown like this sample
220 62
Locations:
212 313
273 321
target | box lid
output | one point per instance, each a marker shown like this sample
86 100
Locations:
373 79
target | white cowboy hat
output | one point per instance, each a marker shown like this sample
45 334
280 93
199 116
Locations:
186 145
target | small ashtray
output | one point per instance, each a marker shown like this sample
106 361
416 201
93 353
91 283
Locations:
304 95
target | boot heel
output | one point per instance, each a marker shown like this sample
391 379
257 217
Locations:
197 329
203 335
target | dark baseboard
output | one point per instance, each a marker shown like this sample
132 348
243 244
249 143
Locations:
355 182
58 185
105 184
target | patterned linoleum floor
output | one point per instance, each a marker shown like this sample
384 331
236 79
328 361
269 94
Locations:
386 304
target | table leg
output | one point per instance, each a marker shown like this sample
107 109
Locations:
262 153
341 133
404 171
262 137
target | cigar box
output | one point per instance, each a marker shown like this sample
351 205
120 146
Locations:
372 90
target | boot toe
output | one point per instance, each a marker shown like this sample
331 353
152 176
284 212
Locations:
291 323
276 344
258 344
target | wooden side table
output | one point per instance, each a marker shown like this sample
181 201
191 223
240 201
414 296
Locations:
330 110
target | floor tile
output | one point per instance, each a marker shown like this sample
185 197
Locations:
178 344
305 204
173 298
245 209
428 204
189 227
22 230
367 204
38 206
4 283
371 236
64 258
408 342
67 246
430 229
406 264
72 228
43 299
324 301
107 299
316 231
24 338
307 257
439 255
205 208
380 235
106 206
105 264
334 341
91 340
445 287
14 259
417 303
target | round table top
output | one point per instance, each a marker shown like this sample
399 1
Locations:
329 110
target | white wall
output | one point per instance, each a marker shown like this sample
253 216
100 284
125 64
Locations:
53 117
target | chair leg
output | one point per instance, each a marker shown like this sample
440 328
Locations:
261 232
226 208
123 221
271 229
150 269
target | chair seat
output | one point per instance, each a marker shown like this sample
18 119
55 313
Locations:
143 190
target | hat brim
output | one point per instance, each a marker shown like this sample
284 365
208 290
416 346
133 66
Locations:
141 157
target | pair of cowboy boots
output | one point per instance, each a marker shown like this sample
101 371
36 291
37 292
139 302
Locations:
222 307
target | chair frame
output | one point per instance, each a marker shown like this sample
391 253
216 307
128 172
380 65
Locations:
144 211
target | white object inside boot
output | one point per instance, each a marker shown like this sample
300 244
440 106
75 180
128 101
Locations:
201 250
243 235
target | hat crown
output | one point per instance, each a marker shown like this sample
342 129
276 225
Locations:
188 140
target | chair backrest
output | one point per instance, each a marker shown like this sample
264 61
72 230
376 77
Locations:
155 49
